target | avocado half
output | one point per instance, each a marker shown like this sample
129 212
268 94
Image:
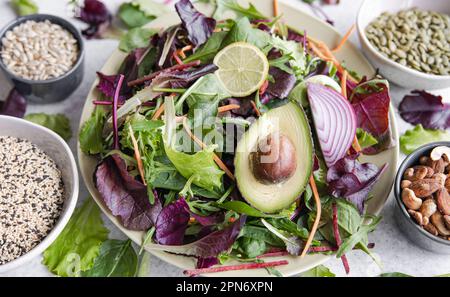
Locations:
291 121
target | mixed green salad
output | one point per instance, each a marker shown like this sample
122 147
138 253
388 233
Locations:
238 139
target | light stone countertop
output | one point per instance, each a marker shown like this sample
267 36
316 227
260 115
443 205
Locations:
396 252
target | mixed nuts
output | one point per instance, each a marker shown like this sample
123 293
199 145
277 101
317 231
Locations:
425 192
414 38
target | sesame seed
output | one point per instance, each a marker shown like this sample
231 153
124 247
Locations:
31 196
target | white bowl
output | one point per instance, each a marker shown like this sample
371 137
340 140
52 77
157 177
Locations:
393 71
53 145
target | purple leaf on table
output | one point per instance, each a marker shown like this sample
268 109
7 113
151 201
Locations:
426 109
15 105
96 15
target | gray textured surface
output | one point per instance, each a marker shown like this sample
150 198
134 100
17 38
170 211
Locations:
394 250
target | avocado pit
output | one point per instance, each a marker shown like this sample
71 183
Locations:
274 160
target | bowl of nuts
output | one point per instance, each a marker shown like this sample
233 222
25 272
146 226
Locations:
43 56
422 187
408 41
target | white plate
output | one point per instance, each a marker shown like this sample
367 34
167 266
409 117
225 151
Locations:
315 28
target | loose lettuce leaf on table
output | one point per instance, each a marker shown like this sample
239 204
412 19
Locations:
58 123
318 271
140 12
25 7
415 138
126 197
78 244
426 109
117 258
97 16
222 6
90 137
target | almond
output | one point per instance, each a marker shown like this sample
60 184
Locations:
425 187
438 221
431 229
443 201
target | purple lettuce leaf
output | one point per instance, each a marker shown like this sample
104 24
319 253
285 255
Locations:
184 78
172 223
281 87
125 196
427 109
350 179
211 245
15 105
210 220
97 16
207 262
246 107
198 26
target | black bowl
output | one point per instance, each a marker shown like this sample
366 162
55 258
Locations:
407 224
54 89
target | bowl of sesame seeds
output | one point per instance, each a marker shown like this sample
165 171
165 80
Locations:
38 189
43 56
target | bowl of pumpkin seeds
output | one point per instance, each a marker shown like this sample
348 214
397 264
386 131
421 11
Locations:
408 41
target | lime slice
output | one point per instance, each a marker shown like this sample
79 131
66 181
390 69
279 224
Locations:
243 68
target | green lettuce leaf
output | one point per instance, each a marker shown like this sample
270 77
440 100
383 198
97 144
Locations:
318 271
136 38
365 139
222 6
140 12
24 7
244 31
117 259
76 248
90 137
208 51
415 138
58 123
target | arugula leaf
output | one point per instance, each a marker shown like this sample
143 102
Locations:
244 31
222 6
25 7
415 138
117 258
294 51
136 38
365 139
140 12
58 123
208 51
76 248
318 271
90 137
148 62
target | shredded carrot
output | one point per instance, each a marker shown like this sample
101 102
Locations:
263 88
255 108
175 56
202 145
228 107
184 49
344 84
275 8
137 155
158 112
191 220
356 145
312 183
344 39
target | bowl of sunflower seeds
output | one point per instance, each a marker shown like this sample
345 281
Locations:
408 41
43 57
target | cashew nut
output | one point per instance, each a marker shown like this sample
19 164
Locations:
410 199
428 208
438 221
418 217
440 177
443 201
439 152
416 173
405 184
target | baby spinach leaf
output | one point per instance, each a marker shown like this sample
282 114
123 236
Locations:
251 247
58 123
25 7
244 208
76 248
91 141
415 138
140 12
117 258
136 38
318 271
262 234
